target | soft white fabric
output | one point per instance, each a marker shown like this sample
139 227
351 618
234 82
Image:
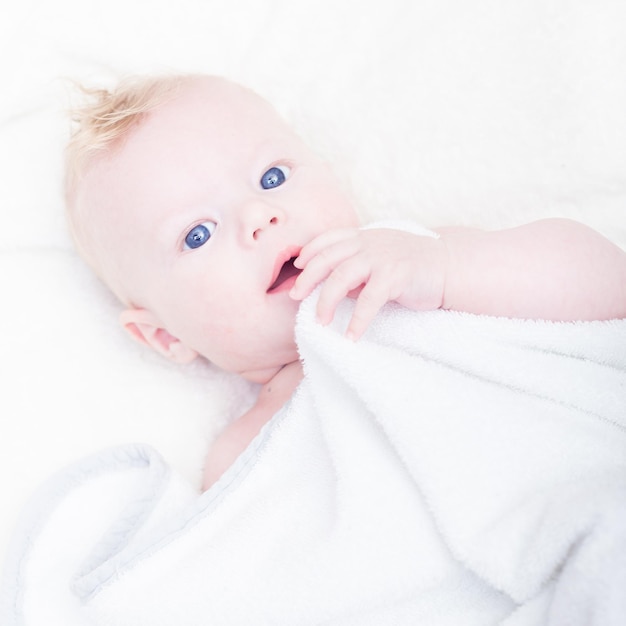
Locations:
445 469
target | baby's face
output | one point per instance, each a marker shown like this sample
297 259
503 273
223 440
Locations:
202 208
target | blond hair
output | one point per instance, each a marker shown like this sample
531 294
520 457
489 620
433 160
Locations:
100 125
105 117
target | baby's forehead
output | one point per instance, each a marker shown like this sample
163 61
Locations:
208 118
221 116
221 100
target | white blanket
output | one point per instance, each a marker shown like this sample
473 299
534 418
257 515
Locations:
446 469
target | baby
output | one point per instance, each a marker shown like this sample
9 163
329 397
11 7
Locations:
210 219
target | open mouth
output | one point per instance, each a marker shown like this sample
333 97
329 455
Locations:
286 276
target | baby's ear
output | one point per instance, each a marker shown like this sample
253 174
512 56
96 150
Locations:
144 327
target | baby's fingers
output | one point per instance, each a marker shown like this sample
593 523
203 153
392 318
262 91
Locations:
325 240
343 280
369 302
322 265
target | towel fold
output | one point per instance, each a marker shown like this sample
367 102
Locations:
445 469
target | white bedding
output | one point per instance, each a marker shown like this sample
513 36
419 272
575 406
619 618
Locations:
446 469
481 112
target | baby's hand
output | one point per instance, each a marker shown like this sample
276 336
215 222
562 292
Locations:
376 266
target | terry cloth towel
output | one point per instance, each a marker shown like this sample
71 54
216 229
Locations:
446 469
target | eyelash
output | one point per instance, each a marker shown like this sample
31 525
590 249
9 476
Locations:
202 230
283 169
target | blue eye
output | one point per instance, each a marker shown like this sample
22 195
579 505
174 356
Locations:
199 235
275 176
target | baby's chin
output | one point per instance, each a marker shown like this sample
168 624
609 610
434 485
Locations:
264 372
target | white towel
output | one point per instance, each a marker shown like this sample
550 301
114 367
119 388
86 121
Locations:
445 469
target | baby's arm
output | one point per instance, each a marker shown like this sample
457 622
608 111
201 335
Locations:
553 269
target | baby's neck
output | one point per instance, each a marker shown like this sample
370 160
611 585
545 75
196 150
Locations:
236 437
278 390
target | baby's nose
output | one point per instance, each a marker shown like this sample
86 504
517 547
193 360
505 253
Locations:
257 232
259 217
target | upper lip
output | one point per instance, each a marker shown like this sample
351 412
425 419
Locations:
287 254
